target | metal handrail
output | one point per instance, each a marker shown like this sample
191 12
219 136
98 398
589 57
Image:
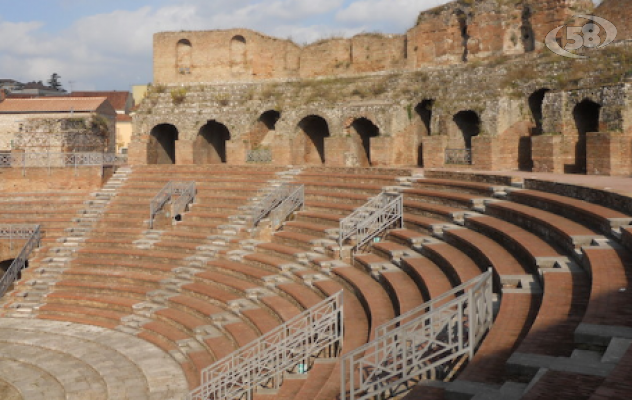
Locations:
186 195
262 363
292 202
20 261
185 192
421 342
270 201
368 221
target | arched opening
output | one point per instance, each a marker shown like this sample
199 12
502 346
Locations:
535 102
315 129
364 130
210 145
586 116
424 113
469 125
238 54
266 123
183 56
162 149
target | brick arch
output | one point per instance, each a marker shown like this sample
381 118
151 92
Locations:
375 120
290 125
210 143
308 144
162 144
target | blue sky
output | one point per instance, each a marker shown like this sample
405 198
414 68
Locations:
107 44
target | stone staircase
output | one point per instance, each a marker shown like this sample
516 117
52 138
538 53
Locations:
37 282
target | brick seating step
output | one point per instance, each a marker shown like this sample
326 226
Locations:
430 278
306 228
568 234
479 188
452 199
458 266
564 301
556 385
430 209
121 366
346 187
383 179
356 199
519 241
608 313
486 252
517 311
404 293
600 218
424 224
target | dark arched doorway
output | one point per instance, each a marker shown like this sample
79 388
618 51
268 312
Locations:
315 129
265 123
423 111
469 125
364 130
183 56
210 144
536 104
586 117
162 144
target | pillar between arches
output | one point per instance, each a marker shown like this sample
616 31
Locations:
184 152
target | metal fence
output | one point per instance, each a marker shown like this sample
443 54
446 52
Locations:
259 156
33 234
60 160
272 200
179 193
458 156
368 221
424 342
292 346
292 202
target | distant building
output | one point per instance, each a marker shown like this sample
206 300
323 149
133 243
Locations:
123 102
57 124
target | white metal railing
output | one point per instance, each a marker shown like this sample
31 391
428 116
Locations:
60 160
368 221
182 192
272 200
259 156
262 363
422 342
294 201
458 156
185 192
33 234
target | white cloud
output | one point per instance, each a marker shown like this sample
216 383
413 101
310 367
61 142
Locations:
392 16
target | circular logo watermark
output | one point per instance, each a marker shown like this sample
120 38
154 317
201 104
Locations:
587 36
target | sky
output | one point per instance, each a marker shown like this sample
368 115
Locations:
107 44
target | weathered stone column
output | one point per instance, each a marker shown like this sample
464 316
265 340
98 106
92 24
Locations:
608 153
137 152
433 148
485 152
546 152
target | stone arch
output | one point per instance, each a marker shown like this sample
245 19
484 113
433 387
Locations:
423 123
535 101
266 123
468 124
362 130
309 144
238 54
184 55
162 144
586 115
209 146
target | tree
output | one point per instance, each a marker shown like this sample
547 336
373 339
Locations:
54 82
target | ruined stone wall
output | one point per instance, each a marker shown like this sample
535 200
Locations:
458 32
56 132
617 12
